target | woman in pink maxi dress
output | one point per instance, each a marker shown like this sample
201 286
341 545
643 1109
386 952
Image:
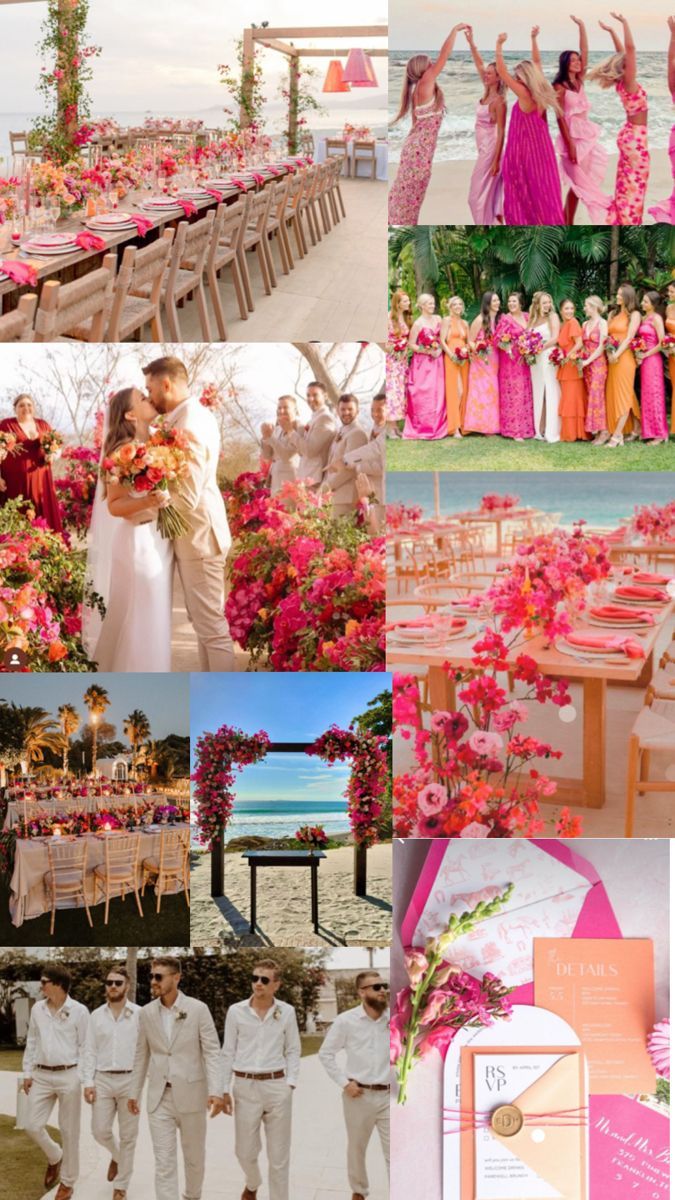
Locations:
486 189
583 161
532 193
594 333
666 210
516 406
426 416
481 414
422 95
652 380
632 172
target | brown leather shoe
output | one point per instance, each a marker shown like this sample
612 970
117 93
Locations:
118 1194
52 1174
64 1192
358 1196
247 1194
112 1170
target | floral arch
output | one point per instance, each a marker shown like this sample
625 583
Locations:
221 755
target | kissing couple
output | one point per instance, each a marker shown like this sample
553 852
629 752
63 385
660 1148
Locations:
130 565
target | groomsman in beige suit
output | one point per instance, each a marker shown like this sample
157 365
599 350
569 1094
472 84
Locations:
52 1072
261 1050
362 1035
370 460
339 479
179 1051
277 444
313 441
200 553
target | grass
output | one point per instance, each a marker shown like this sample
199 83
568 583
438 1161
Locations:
311 1044
476 453
23 1165
11 1060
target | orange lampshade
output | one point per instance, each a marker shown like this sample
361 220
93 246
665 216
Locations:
334 81
359 70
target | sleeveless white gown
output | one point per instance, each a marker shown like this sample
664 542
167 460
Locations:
545 391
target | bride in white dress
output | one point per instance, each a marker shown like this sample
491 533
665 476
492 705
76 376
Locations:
129 563
545 387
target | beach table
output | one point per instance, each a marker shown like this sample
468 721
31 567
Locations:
495 519
285 858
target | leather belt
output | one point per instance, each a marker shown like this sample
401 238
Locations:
257 1075
104 1072
373 1087
67 1067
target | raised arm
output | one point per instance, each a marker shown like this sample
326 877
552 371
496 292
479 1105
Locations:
630 69
536 55
583 43
475 54
428 80
618 44
671 56
516 86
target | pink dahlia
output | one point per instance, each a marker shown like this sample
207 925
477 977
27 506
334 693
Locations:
658 1045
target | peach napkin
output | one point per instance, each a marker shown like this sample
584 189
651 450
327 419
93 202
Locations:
640 593
617 612
612 642
646 577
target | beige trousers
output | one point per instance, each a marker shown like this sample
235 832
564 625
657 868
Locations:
268 1103
112 1092
343 510
165 1123
48 1088
363 1114
203 581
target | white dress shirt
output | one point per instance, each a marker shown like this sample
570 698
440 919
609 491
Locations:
111 1041
261 1044
55 1037
366 1042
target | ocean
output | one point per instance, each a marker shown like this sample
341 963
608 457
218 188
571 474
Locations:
463 90
281 818
592 497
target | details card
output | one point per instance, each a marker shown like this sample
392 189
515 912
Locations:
604 988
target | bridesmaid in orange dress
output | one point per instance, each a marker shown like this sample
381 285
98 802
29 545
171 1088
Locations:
670 328
27 475
572 389
455 336
623 410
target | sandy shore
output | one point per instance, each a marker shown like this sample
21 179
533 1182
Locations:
283 917
446 201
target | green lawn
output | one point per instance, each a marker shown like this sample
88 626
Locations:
311 1043
23 1165
476 453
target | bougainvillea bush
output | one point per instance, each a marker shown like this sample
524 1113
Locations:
219 756
76 488
367 787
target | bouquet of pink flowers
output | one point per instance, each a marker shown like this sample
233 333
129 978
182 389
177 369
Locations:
611 346
481 347
211 396
397 345
530 345
654 522
8 444
506 342
400 516
427 339
492 502
558 357
313 836
51 443
459 355
639 347
668 345
151 467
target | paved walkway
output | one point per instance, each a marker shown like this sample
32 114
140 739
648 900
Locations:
317 1158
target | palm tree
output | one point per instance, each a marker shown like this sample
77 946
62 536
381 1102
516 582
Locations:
137 729
70 721
39 732
97 700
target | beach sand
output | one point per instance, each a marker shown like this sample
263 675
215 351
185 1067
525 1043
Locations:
283 904
446 201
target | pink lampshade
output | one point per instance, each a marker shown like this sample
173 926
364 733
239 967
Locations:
359 70
334 81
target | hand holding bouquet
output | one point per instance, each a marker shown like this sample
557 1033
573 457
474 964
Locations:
459 355
639 347
151 467
481 348
397 345
529 346
668 345
428 341
8 445
558 357
51 443
506 342
611 347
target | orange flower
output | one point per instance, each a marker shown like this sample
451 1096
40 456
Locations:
57 651
127 452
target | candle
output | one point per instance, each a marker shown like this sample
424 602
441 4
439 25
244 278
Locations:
56 831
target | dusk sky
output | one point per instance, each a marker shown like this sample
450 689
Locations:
163 698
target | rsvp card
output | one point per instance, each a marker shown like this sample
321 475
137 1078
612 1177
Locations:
604 988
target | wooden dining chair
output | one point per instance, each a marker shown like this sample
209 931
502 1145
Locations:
653 731
276 224
307 204
335 191
324 176
142 270
226 250
364 151
17 326
338 149
255 240
293 212
118 873
184 275
66 878
79 310
171 865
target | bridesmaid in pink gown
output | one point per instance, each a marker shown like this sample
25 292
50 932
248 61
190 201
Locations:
481 414
583 161
424 97
485 189
632 172
516 407
652 381
594 333
666 210
532 193
426 415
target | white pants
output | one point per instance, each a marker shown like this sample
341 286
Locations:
112 1092
165 1122
363 1114
48 1088
265 1102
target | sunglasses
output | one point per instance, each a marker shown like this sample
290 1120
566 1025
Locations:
115 982
156 977
377 987
260 978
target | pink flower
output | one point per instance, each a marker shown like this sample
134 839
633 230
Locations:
437 1001
486 743
475 830
658 1045
415 964
432 799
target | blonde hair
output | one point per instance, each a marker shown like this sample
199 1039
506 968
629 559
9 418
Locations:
421 299
536 311
597 303
415 68
609 72
396 312
541 91
447 305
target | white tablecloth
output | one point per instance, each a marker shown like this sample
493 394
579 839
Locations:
381 158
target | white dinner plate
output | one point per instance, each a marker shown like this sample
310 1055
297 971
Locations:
39 251
625 624
604 656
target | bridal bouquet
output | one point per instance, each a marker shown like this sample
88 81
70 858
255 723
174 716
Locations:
51 443
529 346
558 358
668 345
427 340
8 444
611 347
153 466
506 342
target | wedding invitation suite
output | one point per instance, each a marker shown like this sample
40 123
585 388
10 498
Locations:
604 988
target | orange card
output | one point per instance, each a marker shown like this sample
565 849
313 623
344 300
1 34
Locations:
604 988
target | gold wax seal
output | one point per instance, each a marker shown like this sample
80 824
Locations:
507 1120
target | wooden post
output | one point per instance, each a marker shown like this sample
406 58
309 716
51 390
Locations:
360 871
71 119
247 61
218 863
293 90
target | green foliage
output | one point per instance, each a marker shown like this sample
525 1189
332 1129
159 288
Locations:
62 131
378 719
347 994
245 87
305 102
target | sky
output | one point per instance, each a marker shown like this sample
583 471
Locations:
163 698
426 24
289 708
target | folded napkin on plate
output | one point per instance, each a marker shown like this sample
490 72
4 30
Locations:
290 167
646 577
640 593
90 241
260 179
428 622
614 643
274 170
618 612
215 193
187 206
304 162
142 224
240 183
20 272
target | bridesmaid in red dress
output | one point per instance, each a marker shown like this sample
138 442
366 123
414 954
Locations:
27 474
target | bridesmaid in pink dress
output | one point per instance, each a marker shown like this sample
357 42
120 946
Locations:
426 416
666 210
532 193
481 414
485 189
516 407
632 172
422 94
398 328
583 161
594 333
652 381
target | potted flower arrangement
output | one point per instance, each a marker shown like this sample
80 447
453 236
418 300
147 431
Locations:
313 837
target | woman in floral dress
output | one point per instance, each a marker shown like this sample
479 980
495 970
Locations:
398 331
481 413
516 408
425 409
632 172
594 333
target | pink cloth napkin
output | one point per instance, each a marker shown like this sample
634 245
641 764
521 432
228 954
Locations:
640 593
612 642
260 179
240 183
646 577
215 193
305 162
616 612
274 170
90 241
187 206
20 272
142 224
424 623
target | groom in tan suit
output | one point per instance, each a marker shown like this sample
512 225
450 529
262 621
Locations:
201 553
340 479
179 1051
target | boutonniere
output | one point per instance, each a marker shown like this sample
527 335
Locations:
277 1015
64 1014
181 1015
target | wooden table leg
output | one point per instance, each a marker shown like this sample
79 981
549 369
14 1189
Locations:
441 690
253 896
315 895
595 709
